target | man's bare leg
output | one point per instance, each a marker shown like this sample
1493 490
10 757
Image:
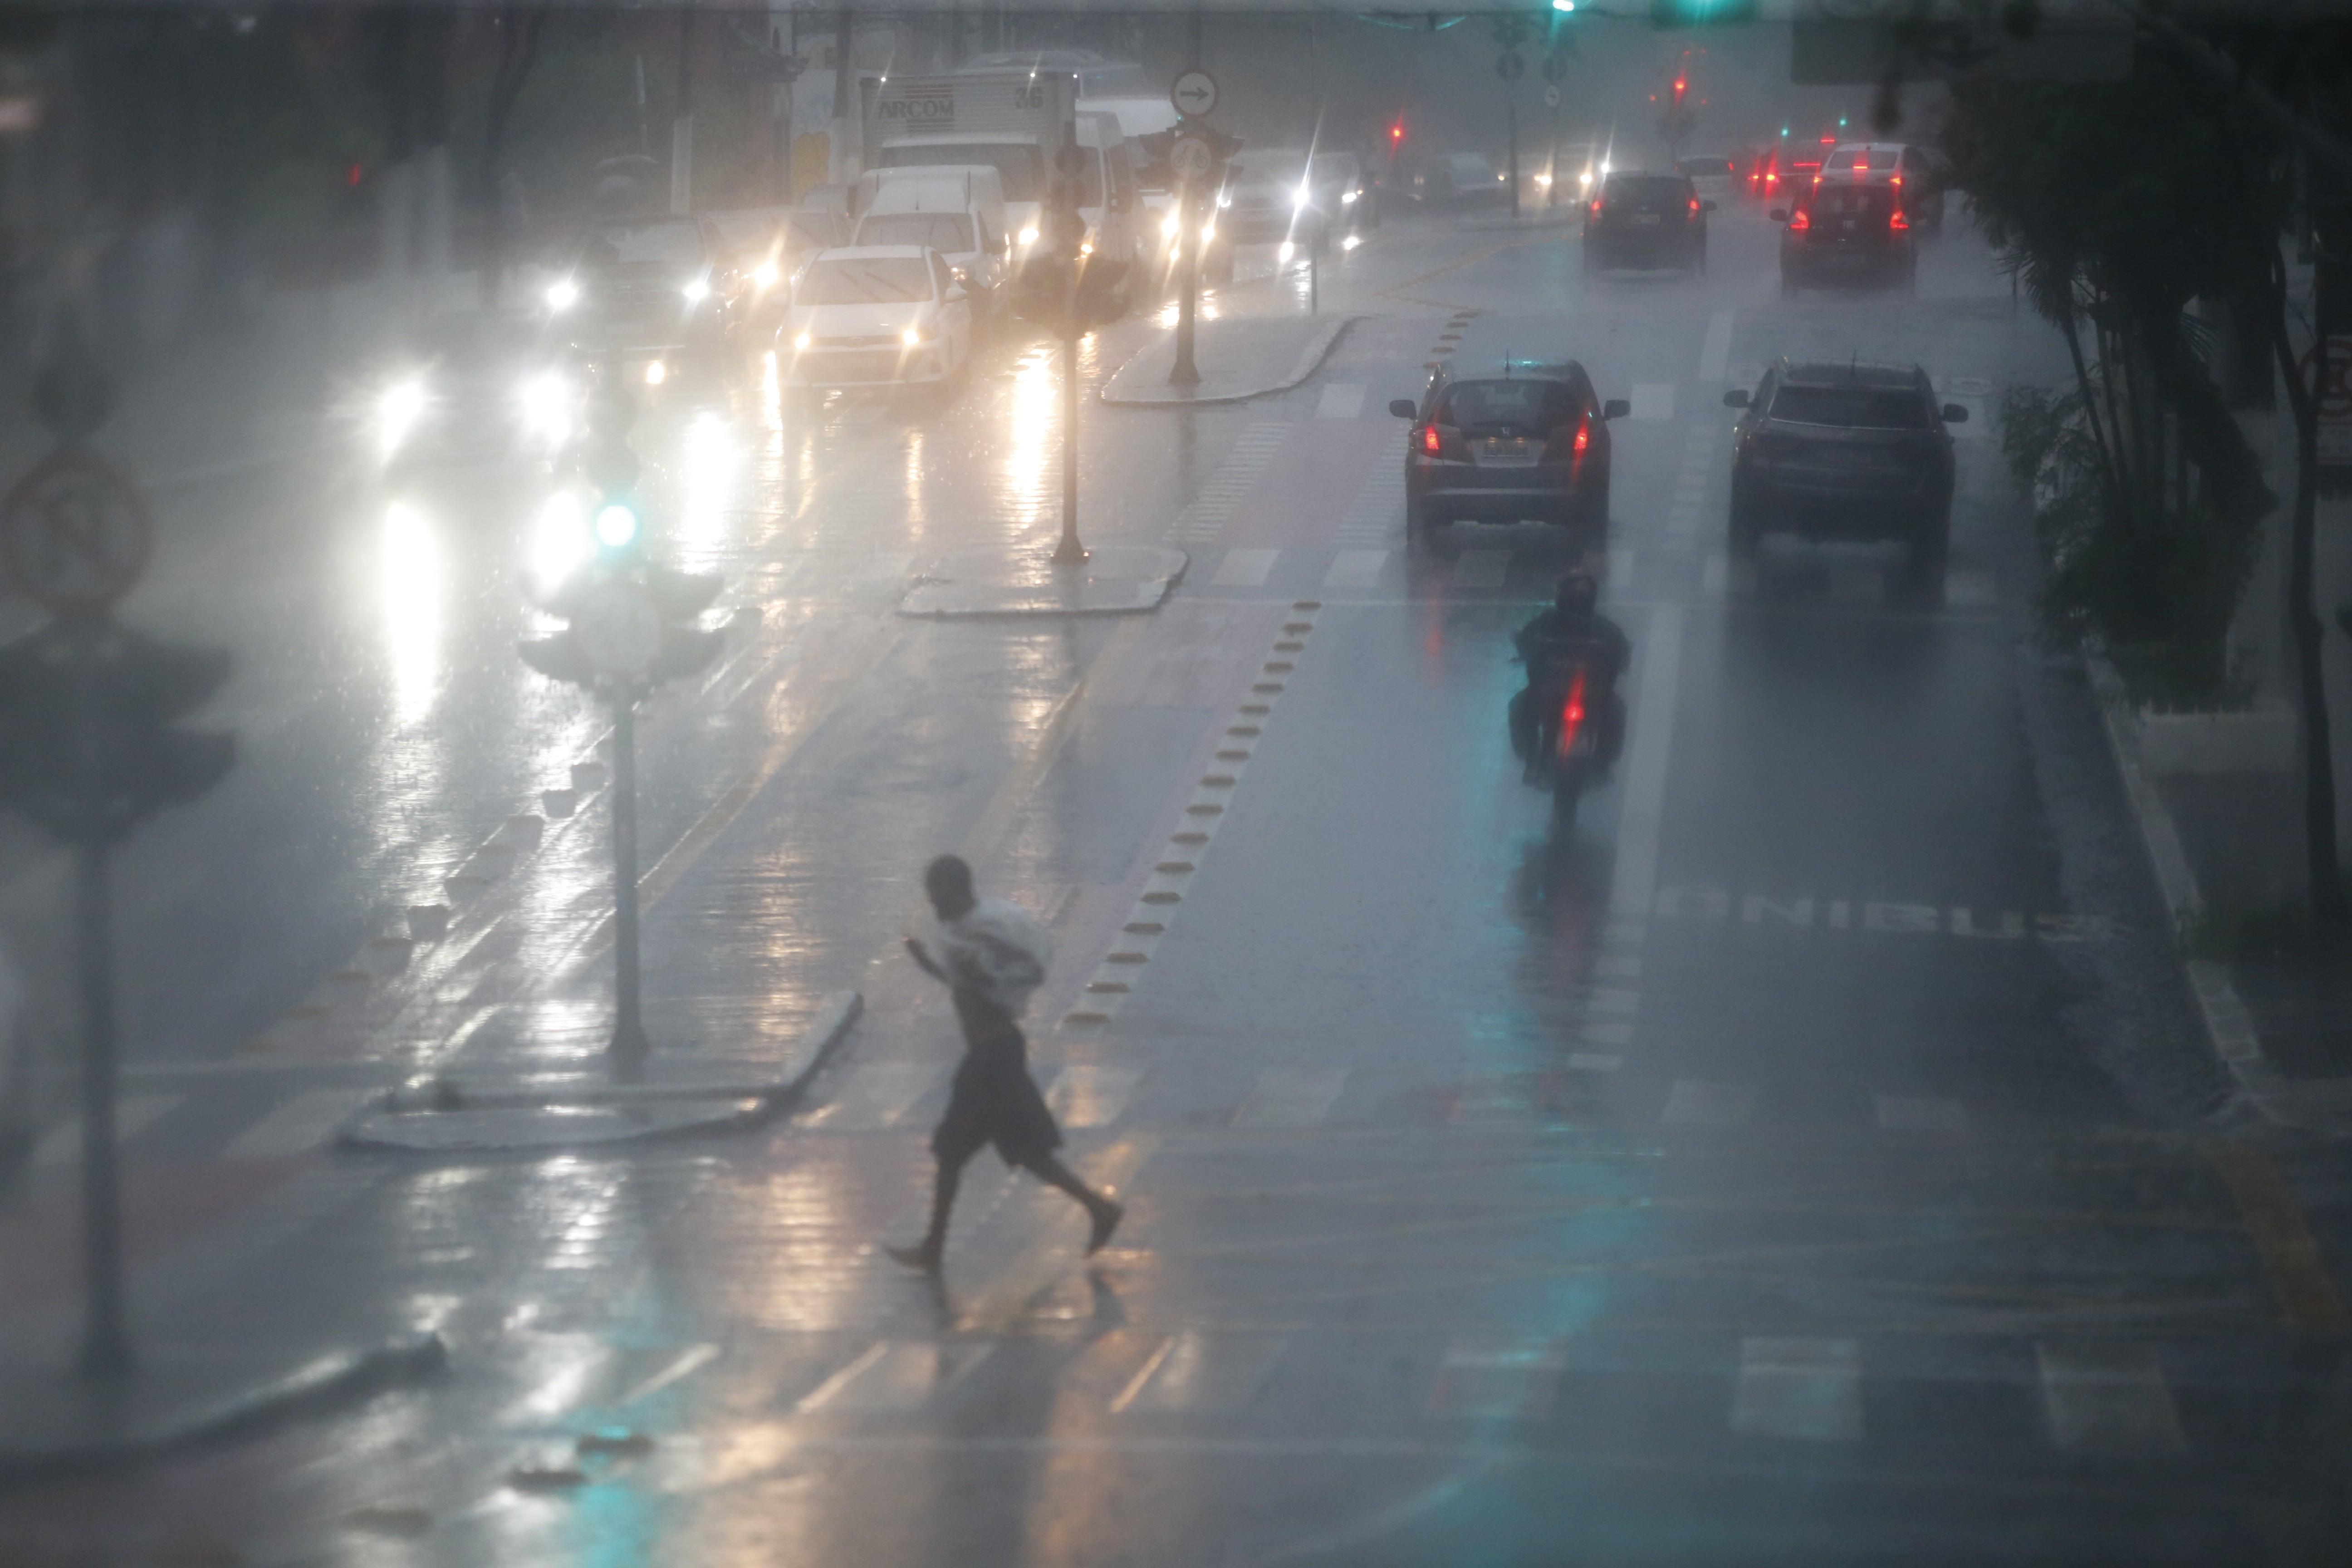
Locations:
926 1257
1106 1213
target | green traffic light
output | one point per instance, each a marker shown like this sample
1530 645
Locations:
616 525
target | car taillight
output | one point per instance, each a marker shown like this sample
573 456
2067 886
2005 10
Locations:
1897 222
1583 436
1694 203
1430 442
1799 221
1596 208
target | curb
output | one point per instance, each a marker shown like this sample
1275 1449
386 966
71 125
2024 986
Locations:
308 1390
766 1099
2228 1025
1310 359
1150 574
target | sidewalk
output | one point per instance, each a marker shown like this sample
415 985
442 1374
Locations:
2279 1016
1238 358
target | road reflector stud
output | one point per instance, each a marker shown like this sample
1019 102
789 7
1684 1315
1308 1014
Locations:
1232 756
1173 866
1279 667
1163 898
545 1478
1257 709
1267 686
1305 604
1183 838
558 802
618 1442
1086 1018
1144 928
1202 810
1243 730
395 1520
1289 645
1218 780
1129 958
428 922
1101 986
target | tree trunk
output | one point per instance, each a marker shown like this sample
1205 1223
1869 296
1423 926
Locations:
2329 912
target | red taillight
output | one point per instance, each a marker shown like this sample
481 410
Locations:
1429 439
1799 221
1583 434
1898 222
1596 207
1694 203
1572 715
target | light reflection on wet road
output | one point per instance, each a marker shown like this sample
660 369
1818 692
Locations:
1750 1175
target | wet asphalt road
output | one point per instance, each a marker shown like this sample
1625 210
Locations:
1805 1159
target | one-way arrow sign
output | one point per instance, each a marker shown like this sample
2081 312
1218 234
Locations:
1194 94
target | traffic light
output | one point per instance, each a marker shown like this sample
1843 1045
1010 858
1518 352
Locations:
87 742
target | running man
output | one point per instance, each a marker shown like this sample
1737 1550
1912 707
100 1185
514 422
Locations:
991 955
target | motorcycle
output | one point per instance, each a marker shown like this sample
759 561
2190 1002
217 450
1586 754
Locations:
1577 730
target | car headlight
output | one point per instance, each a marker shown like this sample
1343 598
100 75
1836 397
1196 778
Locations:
1300 198
1087 246
766 274
1029 235
923 332
697 291
1171 224
562 294
1347 198
397 411
801 341
546 403
656 373
1209 230
1224 199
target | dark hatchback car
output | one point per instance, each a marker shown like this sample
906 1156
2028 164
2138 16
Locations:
1847 450
650 287
1647 220
1839 230
1528 442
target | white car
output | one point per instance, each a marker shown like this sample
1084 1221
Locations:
876 315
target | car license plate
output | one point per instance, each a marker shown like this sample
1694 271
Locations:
1651 219
1508 451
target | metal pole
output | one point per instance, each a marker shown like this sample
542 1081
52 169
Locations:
1188 263
1511 112
630 1047
1069 552
106 1350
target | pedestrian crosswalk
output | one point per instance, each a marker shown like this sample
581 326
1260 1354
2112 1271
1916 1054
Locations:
1253 453
1376 515
2027 1397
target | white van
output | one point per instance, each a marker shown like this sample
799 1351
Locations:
957 210
1111 203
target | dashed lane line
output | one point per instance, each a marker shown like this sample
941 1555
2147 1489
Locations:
1355 569
1633 877
1252 454
1715 350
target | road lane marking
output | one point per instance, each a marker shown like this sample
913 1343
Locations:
1356 569
1206 1373
1497 1379
1006 1301
1919 1113
1088 1094
689 1362
1653 400
1251 455
1244 569
1340 401
1694 1104
2291 1256
1292 1098
133 1114
1633 876
2109 1401
1880 917
295 1126
1378 508
1808 1389
894 1376
1715 350
1482 569
873 1096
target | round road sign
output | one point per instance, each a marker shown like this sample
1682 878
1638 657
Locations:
1192 158
1193 93
75 534
619 626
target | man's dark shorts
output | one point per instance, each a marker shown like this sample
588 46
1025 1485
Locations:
996 1101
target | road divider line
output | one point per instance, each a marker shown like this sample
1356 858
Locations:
1633 878
2291 1256
1715 350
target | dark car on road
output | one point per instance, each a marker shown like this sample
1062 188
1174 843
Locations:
1839 231
1647 220
1846 449
1526 441
1460 179
651 292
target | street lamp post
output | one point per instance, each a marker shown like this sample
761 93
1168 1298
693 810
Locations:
1070 552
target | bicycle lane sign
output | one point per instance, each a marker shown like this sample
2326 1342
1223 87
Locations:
74 535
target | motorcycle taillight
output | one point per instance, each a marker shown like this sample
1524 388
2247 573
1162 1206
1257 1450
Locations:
1572 714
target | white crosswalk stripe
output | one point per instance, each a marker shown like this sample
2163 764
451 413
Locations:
1800 1388
1377 513
1251 455
1085 1094
1497 1379
2109 1401
295 1126
1340 401
892 1376
1212 1374
133 1114
873 1095
1244 569
1292 1097
1356 569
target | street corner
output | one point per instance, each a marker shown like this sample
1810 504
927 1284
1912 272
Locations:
1113 580
1238 358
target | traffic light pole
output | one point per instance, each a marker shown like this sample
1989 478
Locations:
1511 114
630 1046
1188 294
1070 552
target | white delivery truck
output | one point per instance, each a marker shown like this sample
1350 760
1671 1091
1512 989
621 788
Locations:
1014 121
956 209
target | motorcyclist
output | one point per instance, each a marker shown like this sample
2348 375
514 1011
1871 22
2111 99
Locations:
1572 629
